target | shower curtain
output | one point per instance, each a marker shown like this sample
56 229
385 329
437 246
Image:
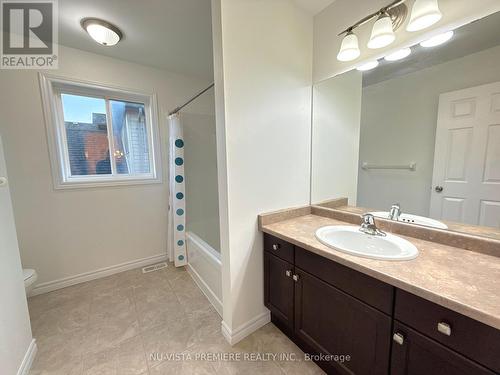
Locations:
177 199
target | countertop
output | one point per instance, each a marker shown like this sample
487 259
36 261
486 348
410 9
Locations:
461 280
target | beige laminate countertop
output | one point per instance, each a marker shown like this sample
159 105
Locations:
461 280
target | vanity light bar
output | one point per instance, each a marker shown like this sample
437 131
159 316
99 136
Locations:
424 14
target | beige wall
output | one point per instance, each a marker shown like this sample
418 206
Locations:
68 232
263 55
406 108
343 13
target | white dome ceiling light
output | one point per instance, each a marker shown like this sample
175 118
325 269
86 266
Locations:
424 14
102 32
437 40
398 55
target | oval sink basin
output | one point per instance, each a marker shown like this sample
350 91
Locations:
350 240
413 219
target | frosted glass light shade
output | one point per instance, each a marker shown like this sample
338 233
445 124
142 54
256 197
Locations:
102 32
349 50
424 14
382 33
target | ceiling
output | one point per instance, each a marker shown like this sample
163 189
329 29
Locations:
313 6
474 37
175 35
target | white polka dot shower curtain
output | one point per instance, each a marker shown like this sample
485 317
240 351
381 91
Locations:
177 200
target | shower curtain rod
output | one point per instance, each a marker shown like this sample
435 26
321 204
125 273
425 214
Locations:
190 100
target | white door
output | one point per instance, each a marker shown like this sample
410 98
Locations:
466 178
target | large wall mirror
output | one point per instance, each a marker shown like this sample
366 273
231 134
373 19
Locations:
422 132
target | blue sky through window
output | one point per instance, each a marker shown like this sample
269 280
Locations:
80 108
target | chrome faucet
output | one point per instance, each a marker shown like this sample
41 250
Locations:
395 212
368 226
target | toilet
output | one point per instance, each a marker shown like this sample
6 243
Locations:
30 278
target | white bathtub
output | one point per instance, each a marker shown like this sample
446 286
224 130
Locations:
204 266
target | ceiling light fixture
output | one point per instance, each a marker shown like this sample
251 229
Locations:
101 31
437 40
398 55
382 32
424 14
368 66
349 50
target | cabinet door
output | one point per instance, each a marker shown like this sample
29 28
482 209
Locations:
278 288
414 354
332 322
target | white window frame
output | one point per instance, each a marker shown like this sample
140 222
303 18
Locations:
52 87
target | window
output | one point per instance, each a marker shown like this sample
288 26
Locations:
99 135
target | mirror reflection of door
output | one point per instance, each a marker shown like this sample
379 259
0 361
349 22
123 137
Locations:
466 178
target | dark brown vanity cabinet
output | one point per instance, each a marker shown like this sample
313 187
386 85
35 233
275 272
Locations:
413 353
279 288
331 322
330 309
323 319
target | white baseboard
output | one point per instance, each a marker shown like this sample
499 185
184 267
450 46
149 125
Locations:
214 300
28 359
246 329
97 274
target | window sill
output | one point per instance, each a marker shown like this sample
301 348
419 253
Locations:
105 182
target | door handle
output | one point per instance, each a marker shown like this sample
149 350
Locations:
3 181
438 189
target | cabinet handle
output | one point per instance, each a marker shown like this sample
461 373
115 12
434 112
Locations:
276 246
288 273
295 278
398 338
444 328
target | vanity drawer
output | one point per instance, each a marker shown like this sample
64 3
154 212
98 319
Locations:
467 336
365 288
278 247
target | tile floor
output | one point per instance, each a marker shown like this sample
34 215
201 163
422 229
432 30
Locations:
117 324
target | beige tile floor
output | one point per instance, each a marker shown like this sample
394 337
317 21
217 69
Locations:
115 325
